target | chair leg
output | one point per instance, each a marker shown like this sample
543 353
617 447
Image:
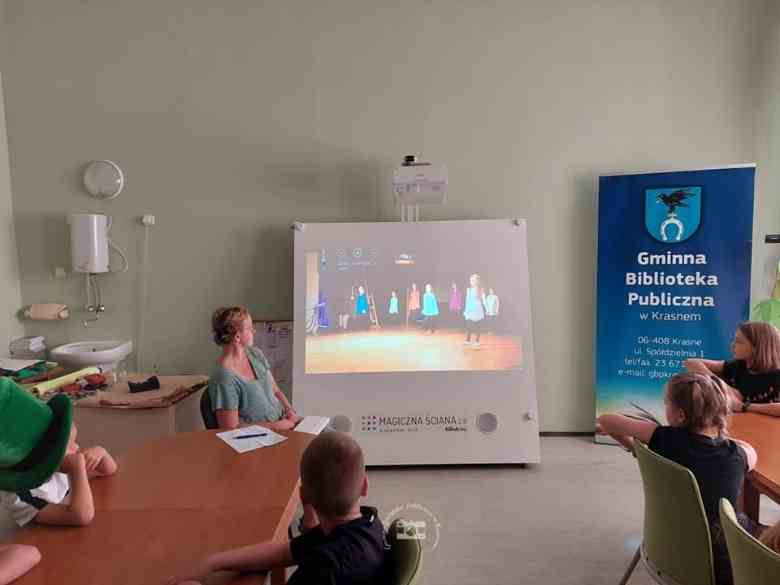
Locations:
631 568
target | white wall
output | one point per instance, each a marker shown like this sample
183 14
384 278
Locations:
767 132
10 284
234 119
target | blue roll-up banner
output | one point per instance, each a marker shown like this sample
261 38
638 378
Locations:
673 280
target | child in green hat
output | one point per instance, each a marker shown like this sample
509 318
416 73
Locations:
44 476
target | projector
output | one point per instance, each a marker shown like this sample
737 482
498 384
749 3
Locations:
420 183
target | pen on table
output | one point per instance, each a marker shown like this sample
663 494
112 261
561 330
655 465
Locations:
250 436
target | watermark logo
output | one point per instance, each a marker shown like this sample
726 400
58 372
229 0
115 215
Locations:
416 522
411 530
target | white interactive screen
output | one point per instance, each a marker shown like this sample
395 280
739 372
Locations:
410 306
424 327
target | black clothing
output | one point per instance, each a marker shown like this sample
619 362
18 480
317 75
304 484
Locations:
354 553
755 387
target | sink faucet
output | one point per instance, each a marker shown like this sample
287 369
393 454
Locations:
97 309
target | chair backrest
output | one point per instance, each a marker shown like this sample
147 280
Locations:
206 412
751 562
405 552
676 539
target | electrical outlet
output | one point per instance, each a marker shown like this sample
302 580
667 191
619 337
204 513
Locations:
60 272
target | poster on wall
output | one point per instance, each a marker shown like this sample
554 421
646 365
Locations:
274 339
673 278
416 337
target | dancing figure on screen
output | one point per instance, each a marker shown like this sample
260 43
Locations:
392 308
412 302
474 312
456 303
430 309
323 320
491 310
361 308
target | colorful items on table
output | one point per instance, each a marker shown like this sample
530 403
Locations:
43 389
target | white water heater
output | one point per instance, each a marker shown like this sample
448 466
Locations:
89 242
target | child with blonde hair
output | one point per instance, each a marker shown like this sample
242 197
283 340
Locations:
695 437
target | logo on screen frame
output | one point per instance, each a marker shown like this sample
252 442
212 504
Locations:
412 423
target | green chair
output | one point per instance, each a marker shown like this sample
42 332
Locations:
675 545
405 553
751 562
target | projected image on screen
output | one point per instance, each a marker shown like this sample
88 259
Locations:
405 309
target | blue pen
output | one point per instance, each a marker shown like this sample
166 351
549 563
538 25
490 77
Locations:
250 436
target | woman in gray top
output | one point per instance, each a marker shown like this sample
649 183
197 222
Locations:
242 388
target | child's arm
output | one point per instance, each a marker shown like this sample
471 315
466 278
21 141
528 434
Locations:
81 509
750 452
227 418
771 408
16 560
284 424
705 367
256 557
99 462
289 411
625 429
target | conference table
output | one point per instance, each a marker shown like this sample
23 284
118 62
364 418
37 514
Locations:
763 432
173 501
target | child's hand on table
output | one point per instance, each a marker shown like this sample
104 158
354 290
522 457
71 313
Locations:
292 416
73 463
93 456
200 571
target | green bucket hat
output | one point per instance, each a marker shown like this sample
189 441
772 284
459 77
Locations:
33 436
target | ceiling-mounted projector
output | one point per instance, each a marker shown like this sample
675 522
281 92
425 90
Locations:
420 183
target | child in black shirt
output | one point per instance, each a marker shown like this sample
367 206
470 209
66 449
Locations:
348 545
696 410
753 375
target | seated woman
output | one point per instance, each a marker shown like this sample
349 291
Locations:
242 388
753 376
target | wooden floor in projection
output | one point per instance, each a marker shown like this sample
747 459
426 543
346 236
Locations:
409 350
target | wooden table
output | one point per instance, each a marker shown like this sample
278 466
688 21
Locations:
119 428
763 432
174 500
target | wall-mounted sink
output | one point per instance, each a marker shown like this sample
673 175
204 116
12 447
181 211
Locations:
82 354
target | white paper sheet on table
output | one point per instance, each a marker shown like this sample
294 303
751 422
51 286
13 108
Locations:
267 439
312 424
